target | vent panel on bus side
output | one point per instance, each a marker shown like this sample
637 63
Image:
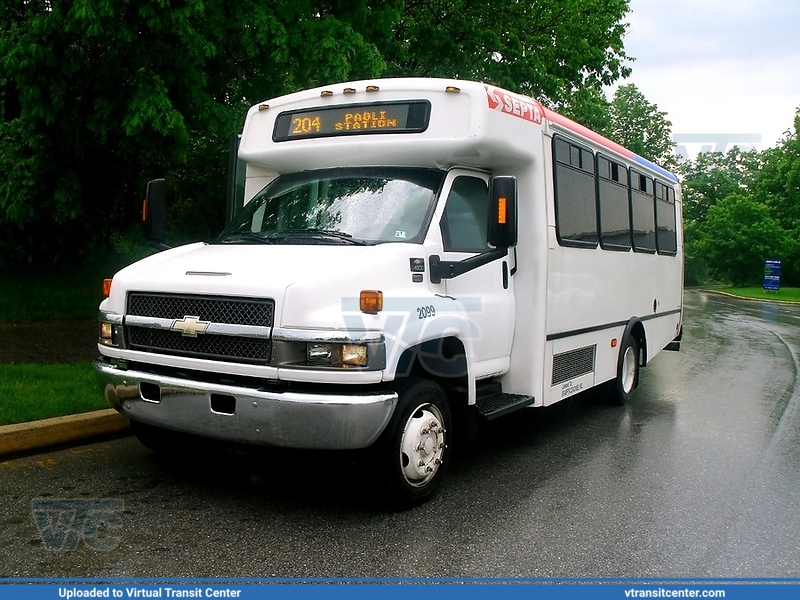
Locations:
573 364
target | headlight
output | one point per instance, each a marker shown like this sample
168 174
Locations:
109 334
354 355
319 353
337 355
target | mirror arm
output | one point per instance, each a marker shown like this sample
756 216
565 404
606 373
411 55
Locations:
448 269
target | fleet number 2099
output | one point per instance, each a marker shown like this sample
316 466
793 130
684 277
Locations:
423 312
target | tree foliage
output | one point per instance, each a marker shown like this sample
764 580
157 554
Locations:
639 126
713 176
539 47
98 96
737 235
741 208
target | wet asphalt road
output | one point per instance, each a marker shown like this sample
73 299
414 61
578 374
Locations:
698 477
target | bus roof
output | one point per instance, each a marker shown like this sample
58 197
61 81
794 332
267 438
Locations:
496 100
600 140
531 110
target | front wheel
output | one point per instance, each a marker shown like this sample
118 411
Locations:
415 444
627 371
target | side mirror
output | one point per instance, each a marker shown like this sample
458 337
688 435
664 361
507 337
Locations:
503 211
154 212
234 193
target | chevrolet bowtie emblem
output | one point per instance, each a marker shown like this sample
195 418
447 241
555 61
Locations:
190 326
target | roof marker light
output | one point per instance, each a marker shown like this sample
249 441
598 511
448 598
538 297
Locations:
326 93
349 90
453 89
263 107
373 88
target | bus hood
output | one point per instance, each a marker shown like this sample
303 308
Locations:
292 275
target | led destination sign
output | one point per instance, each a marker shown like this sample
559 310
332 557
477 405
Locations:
355 119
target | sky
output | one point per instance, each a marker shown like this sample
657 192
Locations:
724 71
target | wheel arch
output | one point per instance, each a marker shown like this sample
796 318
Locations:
635 328
442 359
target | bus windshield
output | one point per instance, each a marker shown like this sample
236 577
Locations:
341 206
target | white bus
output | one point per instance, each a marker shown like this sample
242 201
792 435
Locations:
412 254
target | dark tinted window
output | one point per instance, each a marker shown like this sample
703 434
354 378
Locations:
643 212
576 212
612 198
666 235
466 216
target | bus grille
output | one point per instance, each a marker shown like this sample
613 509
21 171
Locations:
241 311
234 311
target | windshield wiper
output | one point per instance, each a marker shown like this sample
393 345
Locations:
339 235
245 237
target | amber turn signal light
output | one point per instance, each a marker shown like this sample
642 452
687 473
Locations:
371 301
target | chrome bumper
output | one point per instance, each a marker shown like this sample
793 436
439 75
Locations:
248 415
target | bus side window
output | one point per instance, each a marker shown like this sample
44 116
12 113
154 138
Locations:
465 220
643 212
575 194
666 226
613 205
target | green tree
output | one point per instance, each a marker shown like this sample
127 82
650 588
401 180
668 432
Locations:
639 126
736 236
713 176
769 179
539 47
98 96
777 185
708 179
589 107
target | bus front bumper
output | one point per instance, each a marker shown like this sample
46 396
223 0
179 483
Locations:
247 415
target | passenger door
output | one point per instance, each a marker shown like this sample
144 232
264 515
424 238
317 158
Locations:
487 292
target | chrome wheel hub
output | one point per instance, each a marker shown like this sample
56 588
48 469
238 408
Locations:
422 445
629 369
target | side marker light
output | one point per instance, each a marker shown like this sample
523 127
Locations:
370 301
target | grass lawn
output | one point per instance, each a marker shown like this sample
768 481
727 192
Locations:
785 294
29 392
40 391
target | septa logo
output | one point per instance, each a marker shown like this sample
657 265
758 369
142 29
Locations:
522 108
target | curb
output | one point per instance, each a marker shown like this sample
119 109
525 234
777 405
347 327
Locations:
729 295
35 435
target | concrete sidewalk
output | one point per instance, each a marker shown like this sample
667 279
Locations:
35 435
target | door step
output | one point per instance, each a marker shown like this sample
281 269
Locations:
502 404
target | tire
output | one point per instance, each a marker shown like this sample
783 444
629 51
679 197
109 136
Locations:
627 372
415 444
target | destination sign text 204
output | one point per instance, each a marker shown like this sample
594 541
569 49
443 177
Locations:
400 117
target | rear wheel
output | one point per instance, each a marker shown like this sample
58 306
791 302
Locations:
627 371
415 444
